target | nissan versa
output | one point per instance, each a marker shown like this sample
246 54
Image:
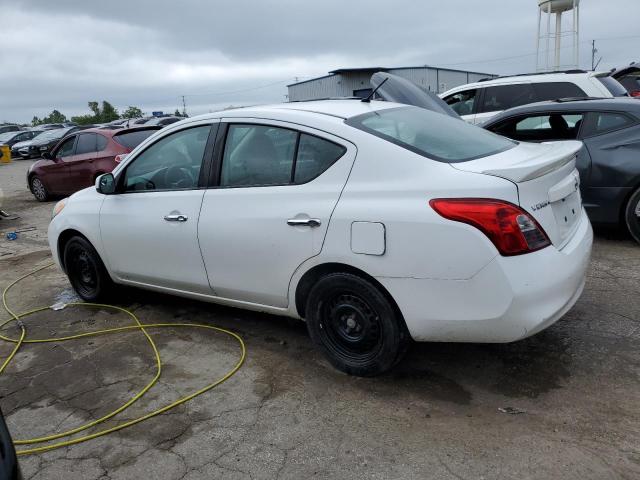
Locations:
375 222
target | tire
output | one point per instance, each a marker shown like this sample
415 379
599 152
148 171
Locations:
355 325
38 189
86 272
632 215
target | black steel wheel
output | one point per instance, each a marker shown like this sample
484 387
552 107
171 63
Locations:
86 272
632 215
38 189
355 325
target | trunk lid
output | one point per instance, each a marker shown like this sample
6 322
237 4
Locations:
547 181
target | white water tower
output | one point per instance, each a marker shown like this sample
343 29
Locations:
548 8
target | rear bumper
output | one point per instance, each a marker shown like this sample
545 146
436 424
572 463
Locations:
510 299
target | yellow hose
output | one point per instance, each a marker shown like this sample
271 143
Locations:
138 326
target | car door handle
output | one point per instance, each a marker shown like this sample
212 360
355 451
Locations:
176 218
304 222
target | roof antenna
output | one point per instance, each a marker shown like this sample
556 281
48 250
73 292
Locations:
370 96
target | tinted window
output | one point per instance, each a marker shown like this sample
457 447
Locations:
172 163
101 143
462 103
133 139
66 149
503 97
433 135
258 155
602 122
86 143
556 90
315 155
613 86
553 126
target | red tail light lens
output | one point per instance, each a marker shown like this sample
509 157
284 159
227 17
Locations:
635 93
510 228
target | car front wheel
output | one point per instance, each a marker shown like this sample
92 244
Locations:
38 189
86 272
355 325
632 215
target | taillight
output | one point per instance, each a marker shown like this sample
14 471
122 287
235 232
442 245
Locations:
635 93
510 228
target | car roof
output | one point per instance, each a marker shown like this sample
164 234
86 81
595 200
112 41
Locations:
339 108
631 105
529 78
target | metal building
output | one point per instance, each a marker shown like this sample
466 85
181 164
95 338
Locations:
354 82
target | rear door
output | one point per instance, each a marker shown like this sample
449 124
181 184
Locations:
81 163
274 189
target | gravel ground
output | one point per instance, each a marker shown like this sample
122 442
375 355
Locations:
288 414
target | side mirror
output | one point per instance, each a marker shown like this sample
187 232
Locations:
106 184
47 156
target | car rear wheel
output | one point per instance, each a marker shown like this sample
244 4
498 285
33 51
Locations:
86 272
355 325
632 215
38 189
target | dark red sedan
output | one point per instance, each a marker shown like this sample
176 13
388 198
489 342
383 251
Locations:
76 161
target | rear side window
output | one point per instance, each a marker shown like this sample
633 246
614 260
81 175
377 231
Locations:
603 122
535 128
614 87
315 155
463 103
432 135
101 143
86 143
503 97
133 139
556 90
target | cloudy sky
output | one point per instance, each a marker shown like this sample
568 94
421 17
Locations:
63 53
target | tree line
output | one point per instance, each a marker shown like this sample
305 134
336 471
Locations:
104 113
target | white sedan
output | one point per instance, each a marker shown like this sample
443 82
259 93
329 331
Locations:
374 222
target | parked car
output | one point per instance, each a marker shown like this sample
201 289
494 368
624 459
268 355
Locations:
9 467
629 78
9 128
79 158
16 147
479 102
163 121
44 142
608 162
11 138
376 222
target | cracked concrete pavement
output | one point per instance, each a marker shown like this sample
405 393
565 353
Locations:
287 414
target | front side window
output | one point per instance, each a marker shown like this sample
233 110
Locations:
86 143
432 135
258 155
602 122
503 97
67 148
172 163
463 103
546 127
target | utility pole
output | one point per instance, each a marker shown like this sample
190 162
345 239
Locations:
184 107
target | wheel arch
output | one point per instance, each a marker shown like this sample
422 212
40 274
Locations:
63 239
311 276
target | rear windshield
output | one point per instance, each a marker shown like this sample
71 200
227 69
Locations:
614 87
133 139
432 135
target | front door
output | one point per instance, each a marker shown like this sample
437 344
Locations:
268 211
56 172
149 228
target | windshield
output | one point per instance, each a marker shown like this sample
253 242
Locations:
51 134
7 136
433 135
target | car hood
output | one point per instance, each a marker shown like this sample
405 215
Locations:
400 90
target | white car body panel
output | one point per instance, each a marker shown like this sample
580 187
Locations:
447 278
